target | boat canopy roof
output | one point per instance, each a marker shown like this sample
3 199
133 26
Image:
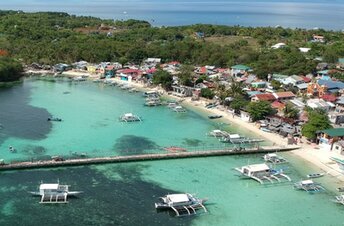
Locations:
48 186
217 131
271 155
128 115
306 182
234 136
178 198
258 167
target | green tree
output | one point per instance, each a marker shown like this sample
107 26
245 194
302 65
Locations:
185 75
259 110
317 120
276 85
207 93
238 103
10 70
163 78
290 111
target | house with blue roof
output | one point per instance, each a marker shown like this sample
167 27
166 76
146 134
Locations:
332 86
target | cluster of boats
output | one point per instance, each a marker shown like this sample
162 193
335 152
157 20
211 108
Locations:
235 138
152 99
184 204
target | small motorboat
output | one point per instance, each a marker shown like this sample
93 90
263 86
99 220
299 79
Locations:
54 119
12 149
214 116
340 189
315 175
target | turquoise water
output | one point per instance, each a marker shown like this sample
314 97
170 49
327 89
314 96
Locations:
286 13
124 194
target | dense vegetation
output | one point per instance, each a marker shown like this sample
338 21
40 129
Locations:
317 120
10 70
49 38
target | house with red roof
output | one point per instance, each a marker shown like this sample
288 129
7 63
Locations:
279 106
263 97
129 74
329 97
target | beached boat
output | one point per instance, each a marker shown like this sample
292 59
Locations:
129 117
174 149
54 119
339 199
214 116
181 204
54 193
315 175
172 105
274 158
179 109
309 186
262 172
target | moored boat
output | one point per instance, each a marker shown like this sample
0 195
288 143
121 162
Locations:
55 119
309 186
129 117
181 204
174 149
339 199
54 193
214 116
274 158
315 175
261 173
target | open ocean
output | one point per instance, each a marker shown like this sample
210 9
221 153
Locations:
292 13
124 194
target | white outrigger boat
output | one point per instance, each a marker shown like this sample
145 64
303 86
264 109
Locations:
309 186
218 133
129 117
54 193
179 109
181 204
339 199
262 172
274 158
315 175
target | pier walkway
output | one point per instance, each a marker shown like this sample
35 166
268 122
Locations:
143 157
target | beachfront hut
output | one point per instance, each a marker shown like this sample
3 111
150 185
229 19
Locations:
326 138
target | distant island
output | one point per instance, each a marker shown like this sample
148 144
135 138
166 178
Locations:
48 38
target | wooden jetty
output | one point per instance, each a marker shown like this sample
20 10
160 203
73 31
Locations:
143 157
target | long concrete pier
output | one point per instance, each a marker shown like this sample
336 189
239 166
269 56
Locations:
143 157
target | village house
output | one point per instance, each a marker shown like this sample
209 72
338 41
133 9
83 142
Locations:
282 96
240 70
263 97
294 80
318 38
129 74
182 91
327 138
320 104
338 147
278 106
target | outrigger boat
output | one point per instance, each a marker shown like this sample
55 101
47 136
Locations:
129 117
309 186
181 204
179 109
339 199
274 158
218 133
262 172
54 193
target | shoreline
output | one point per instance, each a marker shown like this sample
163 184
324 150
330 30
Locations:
308 152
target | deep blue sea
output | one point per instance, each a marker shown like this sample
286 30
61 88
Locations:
292 13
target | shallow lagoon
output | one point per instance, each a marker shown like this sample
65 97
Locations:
124 194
